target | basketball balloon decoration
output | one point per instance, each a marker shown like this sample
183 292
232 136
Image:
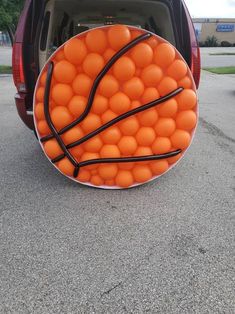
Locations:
115 107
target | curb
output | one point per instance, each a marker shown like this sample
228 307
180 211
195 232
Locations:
5 75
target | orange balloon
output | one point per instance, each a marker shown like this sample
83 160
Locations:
111 135
52 105
124 69
39 111
43 127
77 152
82 85
161 145
186 120
150 94
124 179
142 173
126 165
164 55
167 85
96 41
148 117
72 135
110 151
66 167
93 145
40 94
52 149
135 104
43 78
77 105
129 126
159 167
145 136
108 171
60 55
84 175
165 127
100 104
185 82
91 123
75 51
93 64
61 117
64 72
143 151
108 54
135 34
108 86
180 139
177 69
142 55
96 180
119 103
62 94
127 145
118 36
133 88
94 171
168 109
151 75
138 72
109 182
173 160
108 116
152 42
187 99
90 156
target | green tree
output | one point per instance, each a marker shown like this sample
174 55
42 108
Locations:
9 15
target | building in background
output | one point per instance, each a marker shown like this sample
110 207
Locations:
222 29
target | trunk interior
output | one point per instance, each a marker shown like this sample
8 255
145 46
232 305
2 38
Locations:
64 19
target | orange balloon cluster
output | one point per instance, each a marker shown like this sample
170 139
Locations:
148 71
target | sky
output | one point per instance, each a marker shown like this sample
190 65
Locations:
211 8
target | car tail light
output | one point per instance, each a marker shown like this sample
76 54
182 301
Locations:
17 67
196 65
195 50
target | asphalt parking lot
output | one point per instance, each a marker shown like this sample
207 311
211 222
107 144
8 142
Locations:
5 55
166 247
218 57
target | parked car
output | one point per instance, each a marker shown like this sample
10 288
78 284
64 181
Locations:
45 25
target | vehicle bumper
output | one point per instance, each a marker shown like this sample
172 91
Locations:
22 101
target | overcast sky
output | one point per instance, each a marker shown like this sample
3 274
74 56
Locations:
211 8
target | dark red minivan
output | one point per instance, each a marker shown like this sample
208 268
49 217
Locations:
45 25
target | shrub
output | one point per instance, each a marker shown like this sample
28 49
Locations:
226 44
211 41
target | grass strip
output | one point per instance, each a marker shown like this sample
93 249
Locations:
222 54
5 69
221 70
